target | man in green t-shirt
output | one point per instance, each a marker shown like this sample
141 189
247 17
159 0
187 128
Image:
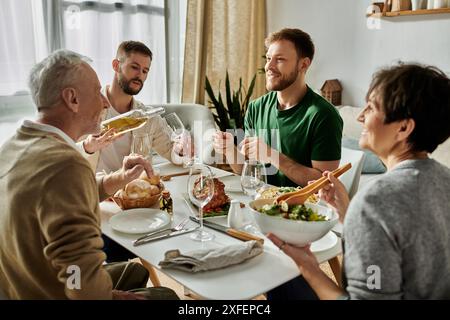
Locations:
292 128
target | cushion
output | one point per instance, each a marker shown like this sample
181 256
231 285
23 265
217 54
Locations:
372 164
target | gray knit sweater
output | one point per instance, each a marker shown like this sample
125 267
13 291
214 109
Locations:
397 235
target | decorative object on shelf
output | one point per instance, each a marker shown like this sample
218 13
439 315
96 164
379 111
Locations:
379 5
231 112
332 91
430 4
401 5
438 4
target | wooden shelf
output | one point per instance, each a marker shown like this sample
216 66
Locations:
408 13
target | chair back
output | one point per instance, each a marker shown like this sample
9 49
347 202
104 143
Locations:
350 179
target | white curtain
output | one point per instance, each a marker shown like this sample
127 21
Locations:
22 42
96 28
30 29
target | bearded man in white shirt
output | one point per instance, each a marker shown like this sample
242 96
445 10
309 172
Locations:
131 67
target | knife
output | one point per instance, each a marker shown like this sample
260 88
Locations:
164 236
238 234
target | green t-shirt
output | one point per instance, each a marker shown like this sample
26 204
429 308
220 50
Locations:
312 130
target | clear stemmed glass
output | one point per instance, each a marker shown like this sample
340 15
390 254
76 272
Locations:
142 145
253 177
174 123
200 189
180 134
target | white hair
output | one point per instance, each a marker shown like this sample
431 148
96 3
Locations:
50 77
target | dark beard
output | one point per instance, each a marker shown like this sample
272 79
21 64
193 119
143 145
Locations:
125 85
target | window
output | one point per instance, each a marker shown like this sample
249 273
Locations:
30 29
96 28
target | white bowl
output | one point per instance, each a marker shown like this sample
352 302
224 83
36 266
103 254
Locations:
299 233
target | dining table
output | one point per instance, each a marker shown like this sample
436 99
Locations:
243 281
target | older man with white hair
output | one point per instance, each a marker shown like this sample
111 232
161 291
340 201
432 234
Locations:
50 237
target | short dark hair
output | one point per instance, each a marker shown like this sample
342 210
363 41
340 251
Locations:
128 47
301 40
418 92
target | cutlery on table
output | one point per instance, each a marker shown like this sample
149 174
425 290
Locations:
164 236
168 177
238 234
299 197
178 227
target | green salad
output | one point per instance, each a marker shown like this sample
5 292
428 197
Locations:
296 212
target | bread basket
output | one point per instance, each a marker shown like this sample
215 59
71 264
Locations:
126 203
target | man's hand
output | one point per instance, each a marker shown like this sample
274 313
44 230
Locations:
223 143
256 149
125 295
94 143
335 195
183 145
132 167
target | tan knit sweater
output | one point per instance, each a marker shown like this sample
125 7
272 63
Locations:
49 220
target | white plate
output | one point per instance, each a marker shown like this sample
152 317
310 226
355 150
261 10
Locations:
325 243
138 221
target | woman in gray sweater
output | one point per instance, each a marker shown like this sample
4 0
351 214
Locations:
396 229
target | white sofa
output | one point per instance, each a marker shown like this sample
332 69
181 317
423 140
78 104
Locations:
352 129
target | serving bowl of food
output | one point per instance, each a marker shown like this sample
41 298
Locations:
143 192
298 225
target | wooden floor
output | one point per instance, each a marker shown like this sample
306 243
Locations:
168 282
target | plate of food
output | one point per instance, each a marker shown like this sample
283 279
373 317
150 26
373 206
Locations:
219 204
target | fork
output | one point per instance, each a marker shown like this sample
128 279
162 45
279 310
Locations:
178 227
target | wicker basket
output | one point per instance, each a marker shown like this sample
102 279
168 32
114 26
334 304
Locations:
147 202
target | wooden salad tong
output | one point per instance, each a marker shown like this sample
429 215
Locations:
299 197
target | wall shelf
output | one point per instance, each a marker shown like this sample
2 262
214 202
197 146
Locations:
407 13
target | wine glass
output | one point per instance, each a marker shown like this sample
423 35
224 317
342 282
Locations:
174 123
200 189
179 134
253 177
142 145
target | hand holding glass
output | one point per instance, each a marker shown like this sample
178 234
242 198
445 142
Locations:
181 136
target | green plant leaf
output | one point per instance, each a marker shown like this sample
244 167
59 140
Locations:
230 115
250 91
223 115
228 96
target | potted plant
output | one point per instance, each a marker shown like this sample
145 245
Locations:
230 112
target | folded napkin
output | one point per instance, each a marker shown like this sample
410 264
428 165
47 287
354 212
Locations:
211 259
